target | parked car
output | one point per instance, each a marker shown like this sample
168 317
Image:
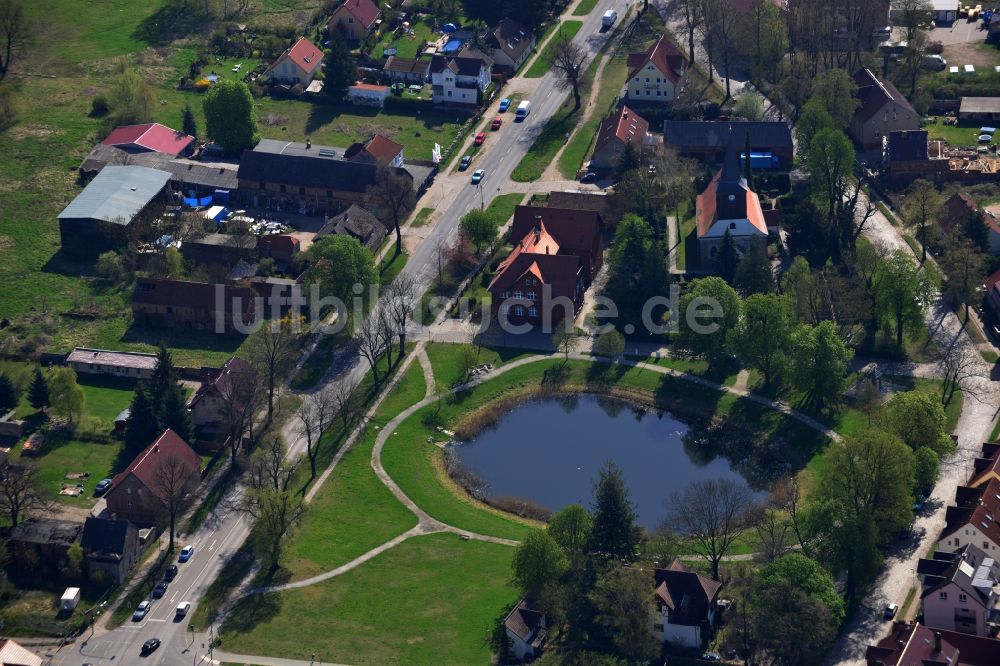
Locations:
478 175
186 553
890 611
159 590
141 610
504 104
589 177
102 487
150 645
465 162
170 573
183 608
480 139
711 656
497 122
933 61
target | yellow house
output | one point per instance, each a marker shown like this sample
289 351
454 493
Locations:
354 19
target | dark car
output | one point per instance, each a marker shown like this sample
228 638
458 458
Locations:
102 487
159 590
150 645
464 164
890 611
170 573
589 177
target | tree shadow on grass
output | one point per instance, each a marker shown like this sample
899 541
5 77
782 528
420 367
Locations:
182 339
250 612
168 23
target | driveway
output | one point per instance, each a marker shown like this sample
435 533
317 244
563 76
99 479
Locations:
959 32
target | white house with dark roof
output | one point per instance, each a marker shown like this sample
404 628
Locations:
685 602
959 590
525 629
125 364
460 79
511 42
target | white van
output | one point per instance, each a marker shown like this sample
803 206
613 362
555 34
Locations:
609 18
523 109
183 608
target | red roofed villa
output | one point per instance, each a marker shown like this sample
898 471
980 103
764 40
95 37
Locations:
685 604
376 150
556 253
354 19
621 128
728 204
137 493
150 137
656 74
297 65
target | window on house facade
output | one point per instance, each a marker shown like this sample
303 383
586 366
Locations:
519 309
505 309
449 93
986 545
532 295
532 311
962 598
518 294
647 93
647 79
943 596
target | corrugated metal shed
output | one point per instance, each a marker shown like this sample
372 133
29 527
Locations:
117 194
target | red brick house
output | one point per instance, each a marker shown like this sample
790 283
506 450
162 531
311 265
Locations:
556 254
137 493
202 306
280 247
621 128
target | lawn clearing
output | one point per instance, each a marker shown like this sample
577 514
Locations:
547 143
392 264
65 456
501 209
585 7
407 46
447 360
567 31
105 398
430 600
954 135
423 216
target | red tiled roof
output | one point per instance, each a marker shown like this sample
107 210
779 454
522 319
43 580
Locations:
144 467
625 125
305 54
187 294
664 55
281 242
384 150
149 136
572 229
364 12
559 271
369 86
706 206
911 645
983 515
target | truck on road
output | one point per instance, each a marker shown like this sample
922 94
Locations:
523 109
609 18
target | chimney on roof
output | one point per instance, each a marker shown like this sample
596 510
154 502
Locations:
937 641
546 248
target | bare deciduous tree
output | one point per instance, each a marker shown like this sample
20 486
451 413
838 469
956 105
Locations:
371 341
386 328
240 396
344 402
691 12
393 199
19 494
961 367
271 351
14 33
400 300
173 482
567 61
713 514
270 468
314 418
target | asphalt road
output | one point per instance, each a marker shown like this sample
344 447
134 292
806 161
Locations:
223 533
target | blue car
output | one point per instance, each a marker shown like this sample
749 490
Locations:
186 553
102 487
504 104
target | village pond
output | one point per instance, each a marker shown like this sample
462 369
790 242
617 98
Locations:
550 451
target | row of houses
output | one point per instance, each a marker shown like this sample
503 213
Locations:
686 607
959 582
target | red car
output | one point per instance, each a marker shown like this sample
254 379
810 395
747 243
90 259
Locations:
480 139
497 122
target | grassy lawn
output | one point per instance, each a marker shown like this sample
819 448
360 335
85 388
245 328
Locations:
502 207
954 135
354 512
392 264
612 80
422 217
65 456
688 237
430 600
407 46
105 398
567 30
585 7
995 435
447 360
547 143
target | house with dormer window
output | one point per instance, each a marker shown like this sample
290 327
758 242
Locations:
959 590
297 65
354 19
460 79
685 602
973 519
882 110
656 75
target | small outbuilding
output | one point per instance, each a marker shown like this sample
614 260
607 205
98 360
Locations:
367 94
979 108
69 599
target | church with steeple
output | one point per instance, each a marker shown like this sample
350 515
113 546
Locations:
728 204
